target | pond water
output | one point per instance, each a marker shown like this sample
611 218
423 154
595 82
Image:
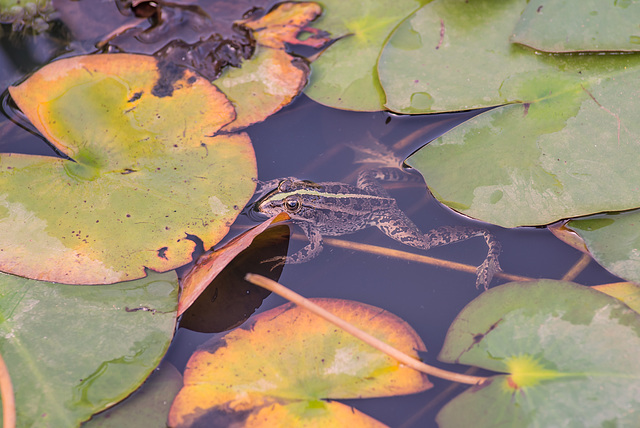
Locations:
310 141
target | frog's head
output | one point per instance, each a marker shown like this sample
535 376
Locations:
292 196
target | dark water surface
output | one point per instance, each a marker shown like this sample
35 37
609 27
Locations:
309 141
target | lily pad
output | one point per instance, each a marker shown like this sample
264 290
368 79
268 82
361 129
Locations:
146 173
557 151
345 75
73 351
613 239
579 26
627 292
212 262
281 366
562 344
272 77
146 407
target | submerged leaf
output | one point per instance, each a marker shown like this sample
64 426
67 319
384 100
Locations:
562 344
147 174
287 360
146 407
73 351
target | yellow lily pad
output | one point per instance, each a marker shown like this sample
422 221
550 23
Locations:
287 360
146 175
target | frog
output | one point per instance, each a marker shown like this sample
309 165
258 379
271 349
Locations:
336 209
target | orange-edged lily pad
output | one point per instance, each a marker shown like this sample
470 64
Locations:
211 263
147 172
287 360
273 77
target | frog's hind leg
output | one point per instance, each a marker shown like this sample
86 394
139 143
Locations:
403 230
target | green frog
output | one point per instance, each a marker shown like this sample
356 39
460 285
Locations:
334 209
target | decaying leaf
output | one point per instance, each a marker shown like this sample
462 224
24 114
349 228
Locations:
273 77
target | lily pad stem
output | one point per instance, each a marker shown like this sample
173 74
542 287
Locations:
366 337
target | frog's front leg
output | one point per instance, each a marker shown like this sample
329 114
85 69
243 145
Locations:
399 227
311 250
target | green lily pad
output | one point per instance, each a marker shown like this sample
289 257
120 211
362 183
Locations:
557 151
345 75
73 351
613 239
147 171
579 26
146 407
454 55
571 354
280 367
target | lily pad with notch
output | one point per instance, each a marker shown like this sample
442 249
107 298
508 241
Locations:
146 175
561 345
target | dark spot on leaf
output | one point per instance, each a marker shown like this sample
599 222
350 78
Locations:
539 9
162 252
192 80
135 97
127 171
526 109
170 73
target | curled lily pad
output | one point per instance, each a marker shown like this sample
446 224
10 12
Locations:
211 263
146 173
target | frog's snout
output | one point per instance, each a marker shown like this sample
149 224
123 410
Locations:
251 211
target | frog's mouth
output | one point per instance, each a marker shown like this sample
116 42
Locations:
251 211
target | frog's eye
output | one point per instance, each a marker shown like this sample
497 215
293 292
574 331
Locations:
292 204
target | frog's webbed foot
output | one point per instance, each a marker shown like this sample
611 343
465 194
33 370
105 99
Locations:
486 271
403 230
371 152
